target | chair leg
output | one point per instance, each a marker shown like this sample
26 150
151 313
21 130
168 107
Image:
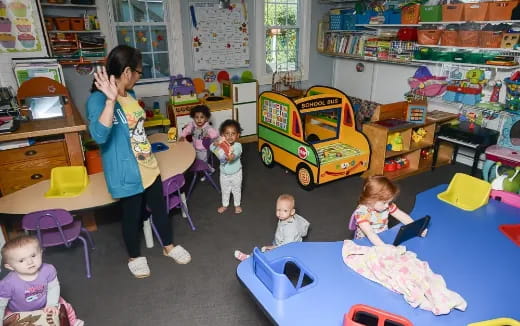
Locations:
89 238
208 176
148 235
195 175
185 210
87 259
157 235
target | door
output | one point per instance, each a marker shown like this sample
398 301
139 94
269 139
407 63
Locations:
245 92
246 115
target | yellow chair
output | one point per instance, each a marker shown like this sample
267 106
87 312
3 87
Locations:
67 181
466 192
497 322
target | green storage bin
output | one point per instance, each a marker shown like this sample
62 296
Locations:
475 57
431 13
444 56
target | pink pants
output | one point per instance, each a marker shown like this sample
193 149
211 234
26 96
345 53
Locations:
71 314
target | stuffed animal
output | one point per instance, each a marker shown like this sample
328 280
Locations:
507 181
395 142
418 135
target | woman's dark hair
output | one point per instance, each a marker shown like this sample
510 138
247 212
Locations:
118 59
200 108
230 123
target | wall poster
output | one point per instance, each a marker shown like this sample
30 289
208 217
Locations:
18 26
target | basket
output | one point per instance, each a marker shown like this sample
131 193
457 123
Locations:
469 38
429 36
77 24
49 24
501 10
475 11
364 18
410 14
67 181
62 23
348 20
56 1
452 13
490 39
458 193
512 94
450 38
431 13
392 16
335 22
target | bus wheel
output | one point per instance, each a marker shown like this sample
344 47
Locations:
267 156
305 178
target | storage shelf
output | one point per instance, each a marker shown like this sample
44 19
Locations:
72 5
71 31
478 22
349 31
368 59
378 26
468 64
467 48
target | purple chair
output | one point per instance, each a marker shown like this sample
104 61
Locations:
352 226
202 167
172 195
55 227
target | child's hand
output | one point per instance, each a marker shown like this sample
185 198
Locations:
423 234
231 157
52 310
182 139
267 248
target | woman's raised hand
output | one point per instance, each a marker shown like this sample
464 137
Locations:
105 84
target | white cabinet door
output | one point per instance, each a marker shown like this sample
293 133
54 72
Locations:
245 92
182 121
246 115
217 117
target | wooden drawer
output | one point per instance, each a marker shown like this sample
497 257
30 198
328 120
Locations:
22 174
35 152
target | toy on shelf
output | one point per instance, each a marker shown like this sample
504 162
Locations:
509 180
418 135
396 164
288 83
182 90
172 134
513 92
314 136
423 83
426 153
416 111
394 142
468 91
361 314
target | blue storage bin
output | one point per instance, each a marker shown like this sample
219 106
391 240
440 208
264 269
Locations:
348 20
392 16
335 22
364 18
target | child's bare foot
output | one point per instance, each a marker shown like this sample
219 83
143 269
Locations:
238 210
221 209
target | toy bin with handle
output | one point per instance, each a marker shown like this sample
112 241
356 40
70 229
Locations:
490 39
501 10
62 23
392 16
452 12
410 14
335 22
476 11
364 17
77 24
469 38
450 38
407 34
431 13
429 36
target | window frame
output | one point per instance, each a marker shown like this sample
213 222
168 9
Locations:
262 75
173 22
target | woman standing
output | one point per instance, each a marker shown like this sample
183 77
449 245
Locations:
116 122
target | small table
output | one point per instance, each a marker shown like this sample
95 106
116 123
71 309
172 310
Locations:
467 248
467 135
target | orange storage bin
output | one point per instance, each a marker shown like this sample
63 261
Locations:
93 161
452 13
429 36
410 14
62 23
476 11
469 38
450 38
490 39
49 25
501 10
77 24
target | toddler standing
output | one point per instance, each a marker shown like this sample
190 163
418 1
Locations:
199 128
374 206
30 285
230 166
291 226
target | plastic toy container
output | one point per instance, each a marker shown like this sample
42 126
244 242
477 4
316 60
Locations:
512 231
392 16
466 192
475 11
67 181
348 19
364 17
335 22
431 13
452 12
501 10
410 14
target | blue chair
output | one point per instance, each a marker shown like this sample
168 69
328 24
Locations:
283 277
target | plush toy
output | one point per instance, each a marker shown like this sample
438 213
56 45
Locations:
418 135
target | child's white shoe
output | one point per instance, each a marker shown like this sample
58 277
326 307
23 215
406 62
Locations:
240 255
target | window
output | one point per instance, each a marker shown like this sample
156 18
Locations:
149 26
284 33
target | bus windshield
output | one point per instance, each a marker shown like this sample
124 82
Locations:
321 125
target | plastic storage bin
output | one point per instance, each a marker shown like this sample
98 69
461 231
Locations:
469 38
392 16
410 14
452 13
466 192
431 13
335 22
348 19
429 36
67 181
450 38
62 23
490 39
475 11
77 24
364 17
501 10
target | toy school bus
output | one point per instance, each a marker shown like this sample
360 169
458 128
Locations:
314 136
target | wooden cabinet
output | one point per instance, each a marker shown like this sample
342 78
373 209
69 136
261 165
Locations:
377 135
243 95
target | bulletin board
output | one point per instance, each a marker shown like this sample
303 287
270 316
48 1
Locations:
220 36
17 26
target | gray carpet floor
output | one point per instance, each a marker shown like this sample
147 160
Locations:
206 291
